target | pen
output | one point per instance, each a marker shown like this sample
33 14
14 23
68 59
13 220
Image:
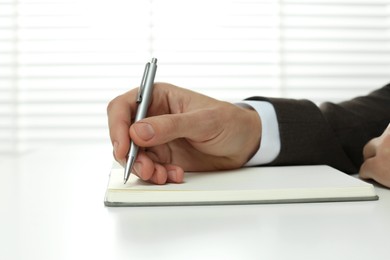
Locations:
143 100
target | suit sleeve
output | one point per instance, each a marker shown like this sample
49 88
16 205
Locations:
332 134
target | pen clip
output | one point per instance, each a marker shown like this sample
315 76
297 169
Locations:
142 86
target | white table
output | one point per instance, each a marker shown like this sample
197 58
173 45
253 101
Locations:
52 208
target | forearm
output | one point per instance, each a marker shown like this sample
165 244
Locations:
305 136
333 134
357 121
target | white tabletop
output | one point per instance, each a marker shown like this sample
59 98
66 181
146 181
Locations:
52 208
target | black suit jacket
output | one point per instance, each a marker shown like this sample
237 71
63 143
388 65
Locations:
332 134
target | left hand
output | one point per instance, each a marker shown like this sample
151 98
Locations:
376 163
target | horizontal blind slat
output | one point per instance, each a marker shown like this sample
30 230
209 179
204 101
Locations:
62 61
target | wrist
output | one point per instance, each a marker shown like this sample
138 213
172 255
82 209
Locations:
252 134
270 144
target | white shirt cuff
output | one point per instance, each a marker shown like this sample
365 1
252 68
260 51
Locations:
270 139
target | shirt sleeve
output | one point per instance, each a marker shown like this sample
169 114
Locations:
270 140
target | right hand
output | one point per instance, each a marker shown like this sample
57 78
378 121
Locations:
183 131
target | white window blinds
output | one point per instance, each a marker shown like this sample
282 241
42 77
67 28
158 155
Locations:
62 61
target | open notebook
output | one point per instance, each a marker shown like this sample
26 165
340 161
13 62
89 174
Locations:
286 184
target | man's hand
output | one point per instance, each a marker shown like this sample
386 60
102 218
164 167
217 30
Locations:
376 164
183 131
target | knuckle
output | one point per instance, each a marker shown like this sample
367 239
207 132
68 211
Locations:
111 104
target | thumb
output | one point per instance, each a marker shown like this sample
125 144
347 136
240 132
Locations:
198 126
370 149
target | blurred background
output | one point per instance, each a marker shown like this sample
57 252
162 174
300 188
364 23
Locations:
61 61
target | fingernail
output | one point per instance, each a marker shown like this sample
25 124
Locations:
144 130
115 146
122 162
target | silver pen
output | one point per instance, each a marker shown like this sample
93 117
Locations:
143 100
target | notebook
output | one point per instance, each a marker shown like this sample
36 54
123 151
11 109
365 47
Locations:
251 185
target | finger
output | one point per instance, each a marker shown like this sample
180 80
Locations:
143 166
167 173
366 169
175 173
119 120
157 174
160 175
148 170
198 126
373 169
386 133
369 149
